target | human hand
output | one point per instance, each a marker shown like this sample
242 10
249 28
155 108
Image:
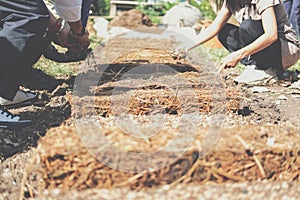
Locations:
78 46
82 39
182 51
230 61
80 34
62 38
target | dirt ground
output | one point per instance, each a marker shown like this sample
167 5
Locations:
57 107
131 19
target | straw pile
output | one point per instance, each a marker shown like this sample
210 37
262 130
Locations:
242 154
154 99
151 80
131 19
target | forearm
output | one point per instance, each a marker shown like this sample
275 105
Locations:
259 44
76 27
205 35
54 26
212 30
269 36
79 32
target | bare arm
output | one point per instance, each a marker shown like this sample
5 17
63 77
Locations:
211 31
59 33
80 34
267 38
70 11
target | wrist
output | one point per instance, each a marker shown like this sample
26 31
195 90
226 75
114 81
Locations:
57 27
79 33
242 53
76 28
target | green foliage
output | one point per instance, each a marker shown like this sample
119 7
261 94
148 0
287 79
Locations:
104 7
53 68
154 12
155 19
167 6
149 11
205 9
295 67
162 8
195 4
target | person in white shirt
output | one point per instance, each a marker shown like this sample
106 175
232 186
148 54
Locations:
72 55
263 39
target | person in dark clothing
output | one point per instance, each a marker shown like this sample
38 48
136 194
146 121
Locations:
26 29
85 11
53 54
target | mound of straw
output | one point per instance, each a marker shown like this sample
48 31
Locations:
247 153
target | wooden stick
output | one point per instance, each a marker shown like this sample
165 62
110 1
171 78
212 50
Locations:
248 147
227 175
130 180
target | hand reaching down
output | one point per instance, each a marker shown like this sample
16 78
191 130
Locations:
230 61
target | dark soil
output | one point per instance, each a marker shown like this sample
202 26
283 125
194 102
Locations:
50 109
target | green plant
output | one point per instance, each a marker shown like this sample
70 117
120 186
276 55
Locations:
103 6
149 11
167 6
54 69
154 12
295 67
205 8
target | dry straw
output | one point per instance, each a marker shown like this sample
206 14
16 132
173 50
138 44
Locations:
242 153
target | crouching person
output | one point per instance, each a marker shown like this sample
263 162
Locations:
263 40
26 29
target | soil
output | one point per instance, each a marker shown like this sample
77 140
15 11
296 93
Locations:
57 108
131 19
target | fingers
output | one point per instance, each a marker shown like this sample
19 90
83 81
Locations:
227 63
188 50
83 40
223 66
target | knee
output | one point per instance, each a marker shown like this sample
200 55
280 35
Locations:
246 26
250 30
224 32
221 36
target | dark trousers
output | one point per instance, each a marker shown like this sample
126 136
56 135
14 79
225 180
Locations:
23 24
85 11
293 9
233 38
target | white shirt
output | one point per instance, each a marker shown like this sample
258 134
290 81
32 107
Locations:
69 10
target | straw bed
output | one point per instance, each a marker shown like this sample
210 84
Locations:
242 154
